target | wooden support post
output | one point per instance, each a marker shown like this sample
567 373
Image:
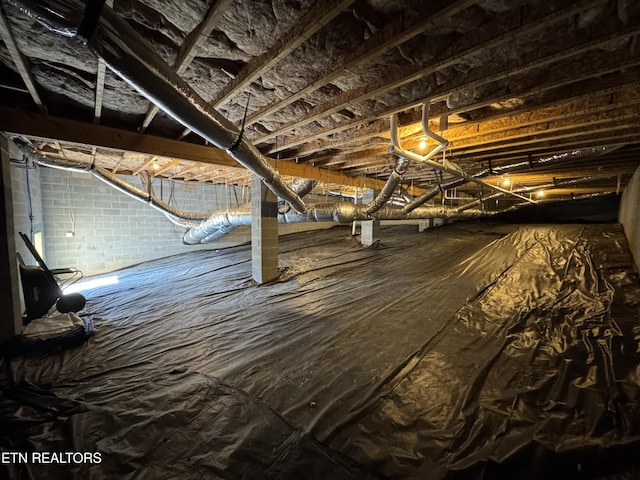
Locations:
10 321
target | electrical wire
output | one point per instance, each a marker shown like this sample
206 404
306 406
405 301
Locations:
30 206
70 209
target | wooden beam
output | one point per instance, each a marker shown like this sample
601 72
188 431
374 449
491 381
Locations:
166 167
21 63
48 127
395 33
542 151
629 118
144 165
190 47
181 172
318 16
307 171
100 76
592 65
478 77
117 165
621 88
593 137
572 111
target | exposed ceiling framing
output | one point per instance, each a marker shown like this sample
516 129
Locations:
20 62
507 82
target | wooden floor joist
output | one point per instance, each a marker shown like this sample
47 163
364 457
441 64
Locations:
41 126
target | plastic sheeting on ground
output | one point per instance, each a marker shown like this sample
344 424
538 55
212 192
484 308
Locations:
469 351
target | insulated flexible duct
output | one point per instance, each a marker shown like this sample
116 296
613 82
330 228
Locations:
547 201
222 222
302 186
179 217
400 168
549 186
432 192
129 56
511 168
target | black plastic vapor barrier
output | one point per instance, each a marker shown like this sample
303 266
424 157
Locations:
475 350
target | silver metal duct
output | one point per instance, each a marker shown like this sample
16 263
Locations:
400 168
302 186
548 186
512 168
224 221
446 166
553 159
432 192
129 56
402 163
179 217
584 196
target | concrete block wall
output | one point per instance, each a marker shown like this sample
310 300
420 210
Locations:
91 226
20 195
110 229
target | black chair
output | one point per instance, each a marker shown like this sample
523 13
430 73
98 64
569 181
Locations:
41 289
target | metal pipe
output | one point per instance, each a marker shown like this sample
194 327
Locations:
402 163
302 186
179 217
442 143
511 168
446 167
130 57
584 196
432 192
548 186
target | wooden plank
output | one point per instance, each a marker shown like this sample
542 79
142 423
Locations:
181 172
100 76
144 165
476 78
609 62
166 167
190 47
47 127
394 34
20 61
117 165
318 16
622 88
593 137
83 133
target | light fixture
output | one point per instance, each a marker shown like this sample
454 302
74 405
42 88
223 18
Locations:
540 193
155 166
422 146
506 182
